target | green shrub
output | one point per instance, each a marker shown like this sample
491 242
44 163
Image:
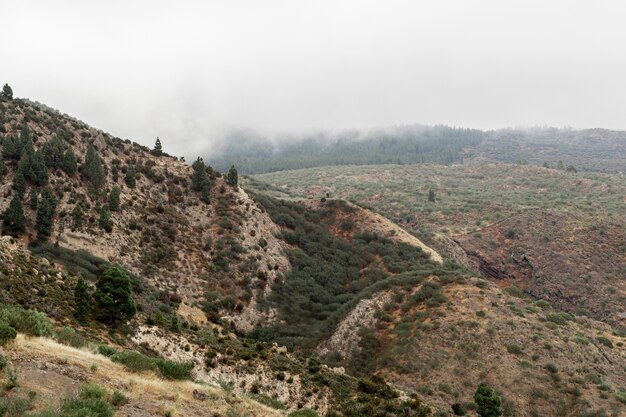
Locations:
134 361
7 333
30 322
118 399
106 350
514 349
68 336
605 341
560 318
174 370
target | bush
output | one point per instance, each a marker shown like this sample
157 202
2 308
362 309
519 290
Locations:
7 333
605 341
134 361
106 350
30 322
68 336
514 349
174 370
305 412
118 399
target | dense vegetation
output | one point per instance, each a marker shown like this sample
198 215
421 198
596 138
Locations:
404 145
330 274
589 150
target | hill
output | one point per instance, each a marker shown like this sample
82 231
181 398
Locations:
584 149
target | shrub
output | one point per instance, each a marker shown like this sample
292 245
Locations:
305 412
30 322
174 370
134 361
118 399
68 336
514 349
7 333
605 341
106 350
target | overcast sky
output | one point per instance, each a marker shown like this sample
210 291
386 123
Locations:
188 70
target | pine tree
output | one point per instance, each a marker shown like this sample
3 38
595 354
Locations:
131 177
199 177
431 196
105 219
114 302
82 306
53 153
158 149
10 148
94 171
14 220
77 216
114 199
19 184
38 169
232 177
7 92
3 168
206 193
488 402
45 214
69 163
33 199
25 136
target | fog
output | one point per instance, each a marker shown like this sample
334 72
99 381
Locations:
189 71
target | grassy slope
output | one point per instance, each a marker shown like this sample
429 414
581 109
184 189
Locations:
569 225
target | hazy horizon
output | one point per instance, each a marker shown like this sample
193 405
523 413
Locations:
190 71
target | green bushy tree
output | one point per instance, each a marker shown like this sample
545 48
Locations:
93 169
488 401
198 177
158 149
105 219
53 153
131 177
114 199
14 220
232 177
19 183
10 148
69 163
45 214
77 216
7 92
114 302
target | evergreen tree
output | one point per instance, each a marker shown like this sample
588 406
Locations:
114 199
3 168
560 165
158 149
131 177
38 169
431 196
14 220
105 219
33 199
94 171
53 153
25 136
82 306
69 163
19 184
488 402
7 92
199 177
232 177
10 148
45 214
114 302
206 193
77 216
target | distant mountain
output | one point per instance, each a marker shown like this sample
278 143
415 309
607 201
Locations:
590 149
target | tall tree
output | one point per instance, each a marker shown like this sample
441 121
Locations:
45 214
114 302
3 168
94 171
69 163
158 149
14 220
82 305
114 199
488 402
7 92
105 219
53 153
77 216
19 183
232 177
38 169
131 176
198 177
10 148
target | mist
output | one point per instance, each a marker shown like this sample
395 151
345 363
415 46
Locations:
190 71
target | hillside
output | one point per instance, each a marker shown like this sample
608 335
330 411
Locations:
556 235
249 304
598 150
